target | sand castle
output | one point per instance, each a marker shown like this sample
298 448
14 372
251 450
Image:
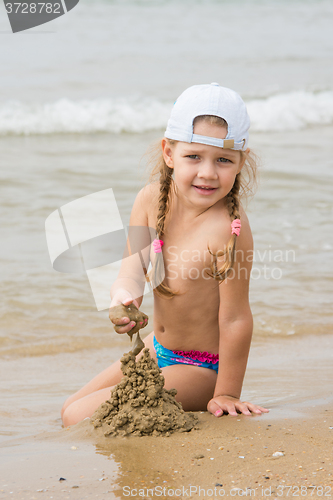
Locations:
139 405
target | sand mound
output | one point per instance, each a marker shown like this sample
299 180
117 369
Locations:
139 405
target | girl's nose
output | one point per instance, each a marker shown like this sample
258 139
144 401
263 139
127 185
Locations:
207 170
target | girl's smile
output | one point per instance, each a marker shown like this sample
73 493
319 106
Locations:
205 190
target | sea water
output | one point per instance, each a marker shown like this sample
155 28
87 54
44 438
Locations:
81 100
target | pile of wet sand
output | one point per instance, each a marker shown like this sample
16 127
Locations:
139 405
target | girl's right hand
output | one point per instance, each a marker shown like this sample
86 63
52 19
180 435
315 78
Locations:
123 297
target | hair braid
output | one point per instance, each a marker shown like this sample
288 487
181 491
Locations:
163 208
229 253
233 199
163 200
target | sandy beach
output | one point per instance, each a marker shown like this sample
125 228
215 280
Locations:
261 457
287 452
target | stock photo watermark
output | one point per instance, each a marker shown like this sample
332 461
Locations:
87 236
220 492
192 264
27 14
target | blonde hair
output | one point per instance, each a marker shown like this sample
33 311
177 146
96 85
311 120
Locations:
244 186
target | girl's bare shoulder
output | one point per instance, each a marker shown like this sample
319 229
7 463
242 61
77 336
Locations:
245 238
147 202
150 192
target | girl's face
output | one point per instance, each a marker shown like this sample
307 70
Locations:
203 174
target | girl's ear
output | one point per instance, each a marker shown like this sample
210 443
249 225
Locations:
167 152
243 160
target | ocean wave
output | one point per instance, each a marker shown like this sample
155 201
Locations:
288 111
84 116
291 111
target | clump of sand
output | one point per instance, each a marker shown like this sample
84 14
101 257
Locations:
133 314
139 405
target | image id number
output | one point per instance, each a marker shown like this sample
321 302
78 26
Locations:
32 8
303 491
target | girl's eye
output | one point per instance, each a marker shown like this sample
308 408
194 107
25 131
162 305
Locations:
224 160
193 157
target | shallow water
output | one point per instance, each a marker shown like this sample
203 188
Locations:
45 312
82 99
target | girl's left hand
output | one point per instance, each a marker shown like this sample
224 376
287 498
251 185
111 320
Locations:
228 404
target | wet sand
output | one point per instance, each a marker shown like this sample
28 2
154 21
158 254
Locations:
223 455
292 376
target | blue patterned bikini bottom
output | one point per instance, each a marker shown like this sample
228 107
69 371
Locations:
166 357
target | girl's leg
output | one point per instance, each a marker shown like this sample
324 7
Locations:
104 381
195 387
84 407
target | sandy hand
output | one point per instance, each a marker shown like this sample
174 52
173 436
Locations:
127 315
133 317
122 324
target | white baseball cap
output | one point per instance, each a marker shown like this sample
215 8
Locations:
210 99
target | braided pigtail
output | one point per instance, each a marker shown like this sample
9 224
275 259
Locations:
158 271
229 253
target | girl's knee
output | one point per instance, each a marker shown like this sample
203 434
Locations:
70 415
75 412
66 404
84 407
72 409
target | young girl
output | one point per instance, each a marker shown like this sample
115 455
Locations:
202 317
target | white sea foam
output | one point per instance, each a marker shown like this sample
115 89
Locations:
85 116
289 111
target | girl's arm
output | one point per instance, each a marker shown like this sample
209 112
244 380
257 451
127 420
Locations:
129 285
236 325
